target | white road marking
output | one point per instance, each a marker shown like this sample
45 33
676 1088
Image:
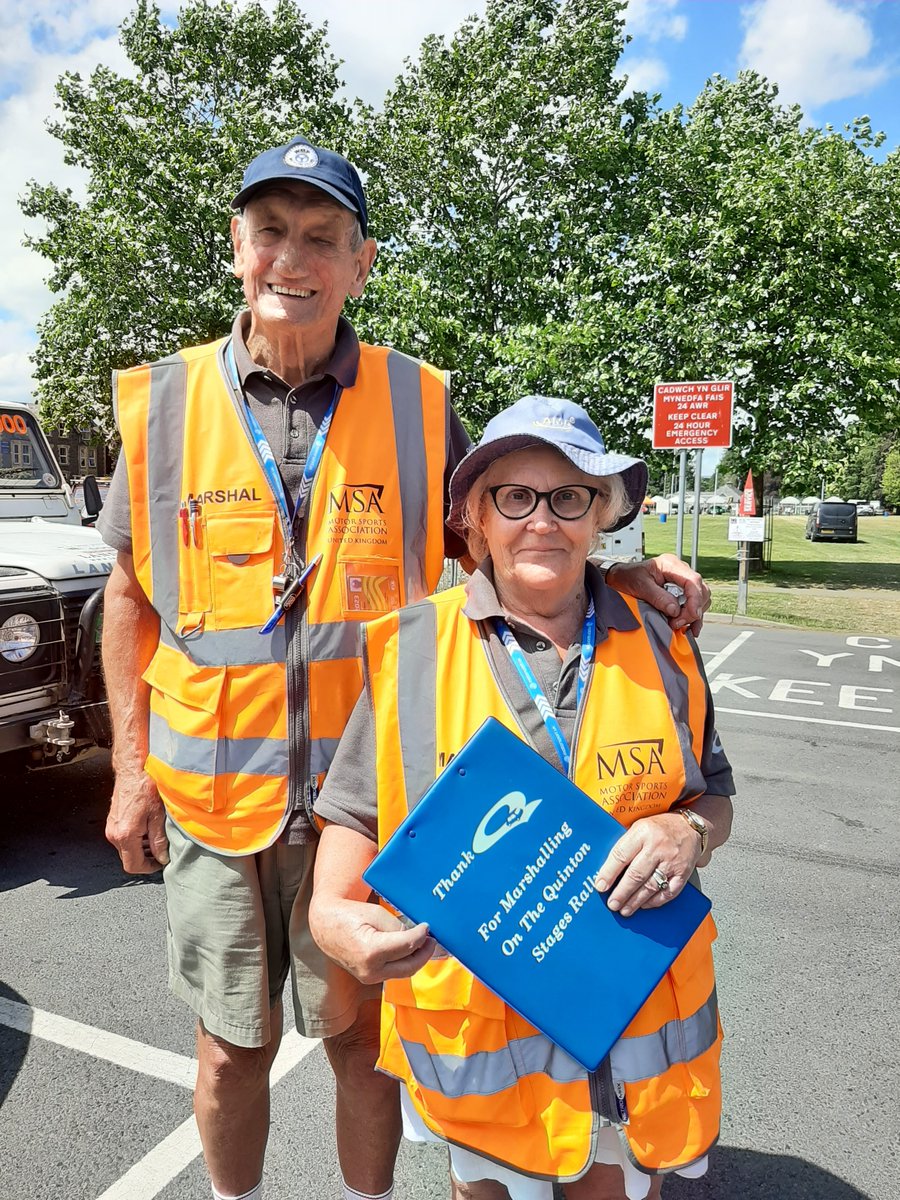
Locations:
735 644
748 712
111 1047
159 1166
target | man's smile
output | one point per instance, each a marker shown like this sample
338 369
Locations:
301 293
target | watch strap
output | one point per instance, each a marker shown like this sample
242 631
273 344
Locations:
698 825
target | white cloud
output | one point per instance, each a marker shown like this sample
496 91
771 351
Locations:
41 39
655 19
644 75
373 41
816 51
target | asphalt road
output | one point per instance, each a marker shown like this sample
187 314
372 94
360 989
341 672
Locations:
96 1057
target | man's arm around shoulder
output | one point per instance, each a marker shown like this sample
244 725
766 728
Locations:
136 822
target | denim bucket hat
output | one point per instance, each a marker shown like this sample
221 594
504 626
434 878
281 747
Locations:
302 162
545 421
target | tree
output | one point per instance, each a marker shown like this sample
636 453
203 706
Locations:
762 251
495 152
142 264
890 480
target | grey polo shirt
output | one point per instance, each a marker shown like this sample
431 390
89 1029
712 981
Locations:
349 794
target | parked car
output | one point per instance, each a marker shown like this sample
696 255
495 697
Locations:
832 521
865 510
52 573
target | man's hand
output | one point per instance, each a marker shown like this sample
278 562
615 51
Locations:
645 581
136 824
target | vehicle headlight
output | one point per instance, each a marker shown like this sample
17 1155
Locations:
19 637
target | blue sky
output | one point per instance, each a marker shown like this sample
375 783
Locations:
837 58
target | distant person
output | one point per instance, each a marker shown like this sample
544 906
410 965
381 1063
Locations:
536 640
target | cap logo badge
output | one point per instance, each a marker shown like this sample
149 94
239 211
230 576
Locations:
301 156
554 423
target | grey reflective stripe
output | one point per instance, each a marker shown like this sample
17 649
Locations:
212 756
405 377
334 639
228 647
321 754
488 1072
652 1054
675 683
165 453
417 697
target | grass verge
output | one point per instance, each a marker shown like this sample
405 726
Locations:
822 585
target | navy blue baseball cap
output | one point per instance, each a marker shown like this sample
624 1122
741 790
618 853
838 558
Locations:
302 162
545 421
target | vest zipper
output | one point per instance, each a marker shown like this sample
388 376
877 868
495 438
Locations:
608 1095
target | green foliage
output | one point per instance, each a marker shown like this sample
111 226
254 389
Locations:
890 479
142 264
762 251
496 152
539 230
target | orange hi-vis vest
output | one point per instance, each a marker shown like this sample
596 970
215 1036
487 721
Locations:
478 1073
235 715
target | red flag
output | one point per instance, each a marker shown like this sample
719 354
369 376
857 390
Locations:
747 506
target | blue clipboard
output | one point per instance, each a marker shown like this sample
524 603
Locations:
498 858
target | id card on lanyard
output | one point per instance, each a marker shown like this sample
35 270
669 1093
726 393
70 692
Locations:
528 677
291 582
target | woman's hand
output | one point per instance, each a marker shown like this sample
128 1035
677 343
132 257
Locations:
365 939
368 941
665 844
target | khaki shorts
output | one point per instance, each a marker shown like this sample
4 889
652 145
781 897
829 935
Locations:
236 926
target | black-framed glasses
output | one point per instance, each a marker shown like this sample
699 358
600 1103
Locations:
515 501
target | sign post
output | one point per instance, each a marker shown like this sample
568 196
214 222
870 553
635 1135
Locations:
746 527
691 415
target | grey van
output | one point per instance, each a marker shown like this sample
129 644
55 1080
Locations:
833 522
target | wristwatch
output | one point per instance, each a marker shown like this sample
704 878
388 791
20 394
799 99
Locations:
698 825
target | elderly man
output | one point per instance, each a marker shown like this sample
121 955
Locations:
276 489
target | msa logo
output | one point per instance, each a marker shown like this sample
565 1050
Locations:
356 498
626 759
512 810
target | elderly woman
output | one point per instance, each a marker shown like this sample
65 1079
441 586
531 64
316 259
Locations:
607 693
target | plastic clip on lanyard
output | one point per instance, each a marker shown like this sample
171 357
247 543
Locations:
520 662
293 586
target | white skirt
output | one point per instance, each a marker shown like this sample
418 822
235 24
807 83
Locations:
469 1167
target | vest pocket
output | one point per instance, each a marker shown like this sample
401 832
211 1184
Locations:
455 1035
185 746
241 565
370 587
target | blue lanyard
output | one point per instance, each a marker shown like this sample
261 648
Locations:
520 662
268 458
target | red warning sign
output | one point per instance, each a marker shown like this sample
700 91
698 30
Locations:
747 504
692 415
